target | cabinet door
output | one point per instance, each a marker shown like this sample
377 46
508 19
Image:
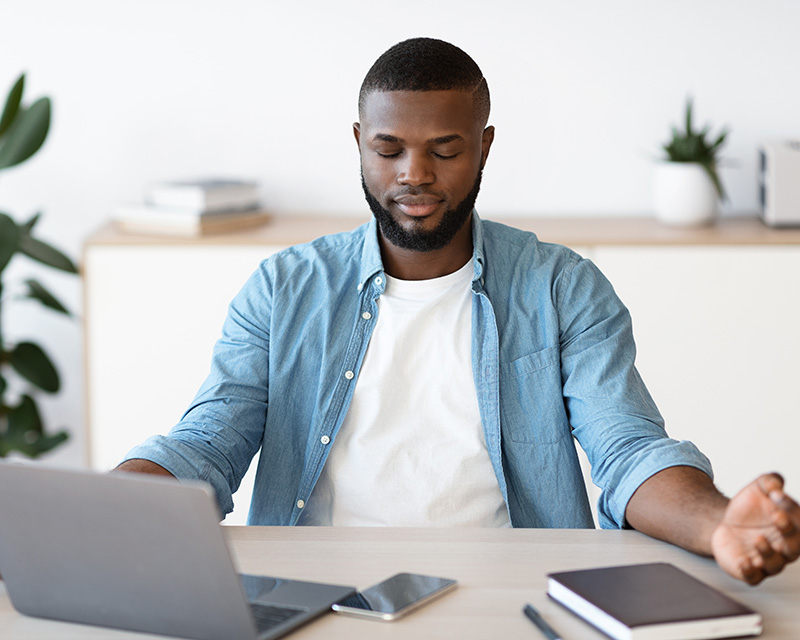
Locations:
153 314
719 348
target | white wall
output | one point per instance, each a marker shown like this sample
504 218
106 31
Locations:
584 93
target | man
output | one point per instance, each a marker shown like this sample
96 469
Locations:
431 369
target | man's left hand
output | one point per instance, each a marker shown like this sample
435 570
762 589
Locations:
760 531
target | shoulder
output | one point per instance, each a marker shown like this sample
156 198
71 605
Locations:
507 244
336 248
534 267
336 253
308 267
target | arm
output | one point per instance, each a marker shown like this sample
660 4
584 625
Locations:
138 465
751 536
611 412
218 436
657 485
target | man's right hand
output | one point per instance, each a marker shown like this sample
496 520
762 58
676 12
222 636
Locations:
139 465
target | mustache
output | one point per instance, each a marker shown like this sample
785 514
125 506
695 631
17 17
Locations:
407 190
415 191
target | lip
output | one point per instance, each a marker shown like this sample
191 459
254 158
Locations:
418 206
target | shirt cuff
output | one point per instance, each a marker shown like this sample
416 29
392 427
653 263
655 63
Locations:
663 455
179 459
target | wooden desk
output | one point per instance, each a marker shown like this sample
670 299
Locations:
498 571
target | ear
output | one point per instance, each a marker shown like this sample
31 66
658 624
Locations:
486 144
357 134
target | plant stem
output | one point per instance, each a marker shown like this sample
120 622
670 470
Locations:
2 344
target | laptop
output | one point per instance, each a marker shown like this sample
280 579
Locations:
137 552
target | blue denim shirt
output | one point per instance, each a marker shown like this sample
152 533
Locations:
552 358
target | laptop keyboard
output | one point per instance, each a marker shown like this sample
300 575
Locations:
269 616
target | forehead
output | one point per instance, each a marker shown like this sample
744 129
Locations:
423 113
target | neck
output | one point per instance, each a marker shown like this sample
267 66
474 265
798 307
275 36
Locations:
406 264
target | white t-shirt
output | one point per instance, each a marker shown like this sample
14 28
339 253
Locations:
411 451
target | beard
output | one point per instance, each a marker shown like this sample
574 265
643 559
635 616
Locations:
419 239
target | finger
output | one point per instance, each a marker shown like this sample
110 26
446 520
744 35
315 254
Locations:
788 506
782 522
791 548
763 551
770 482
785 540
750 574
754 577
774 564
769 560
785 502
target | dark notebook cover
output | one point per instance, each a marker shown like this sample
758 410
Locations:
651 594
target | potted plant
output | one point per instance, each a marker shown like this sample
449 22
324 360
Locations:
687 186
25 368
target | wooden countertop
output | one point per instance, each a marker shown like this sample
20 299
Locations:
498 571
287 230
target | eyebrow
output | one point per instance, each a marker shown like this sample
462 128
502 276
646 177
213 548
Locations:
385 137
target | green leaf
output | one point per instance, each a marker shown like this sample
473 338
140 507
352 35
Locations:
34 365
25 432
45 253
37 291
44 443
719 141
26 134
3 386
30 224
12 104
25 417
689 116
691 146
9 240
711 170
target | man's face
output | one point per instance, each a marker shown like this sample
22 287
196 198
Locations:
421 158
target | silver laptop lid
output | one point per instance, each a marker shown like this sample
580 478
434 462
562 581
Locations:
118 550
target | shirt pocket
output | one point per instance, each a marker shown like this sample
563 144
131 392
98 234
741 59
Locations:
531 399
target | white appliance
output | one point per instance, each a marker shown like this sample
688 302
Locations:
779 182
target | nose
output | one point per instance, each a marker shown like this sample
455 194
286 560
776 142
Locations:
416 169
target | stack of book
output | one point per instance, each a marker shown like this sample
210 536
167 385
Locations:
193 208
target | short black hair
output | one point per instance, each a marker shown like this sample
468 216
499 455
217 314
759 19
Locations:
427 64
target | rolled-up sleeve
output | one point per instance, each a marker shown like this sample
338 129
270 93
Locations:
223 428
612 414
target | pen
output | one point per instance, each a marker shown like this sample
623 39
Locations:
540 623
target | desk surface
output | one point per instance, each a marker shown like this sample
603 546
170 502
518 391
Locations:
498 572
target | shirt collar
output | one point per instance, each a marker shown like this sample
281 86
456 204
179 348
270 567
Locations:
477 245
372 264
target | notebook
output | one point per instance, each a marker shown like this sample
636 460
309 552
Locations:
651 601
137 552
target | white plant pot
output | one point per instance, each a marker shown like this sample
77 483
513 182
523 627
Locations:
684 194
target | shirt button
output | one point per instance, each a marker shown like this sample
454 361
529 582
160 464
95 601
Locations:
301 504
349 375
360 286
378 280
324 439
366 315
